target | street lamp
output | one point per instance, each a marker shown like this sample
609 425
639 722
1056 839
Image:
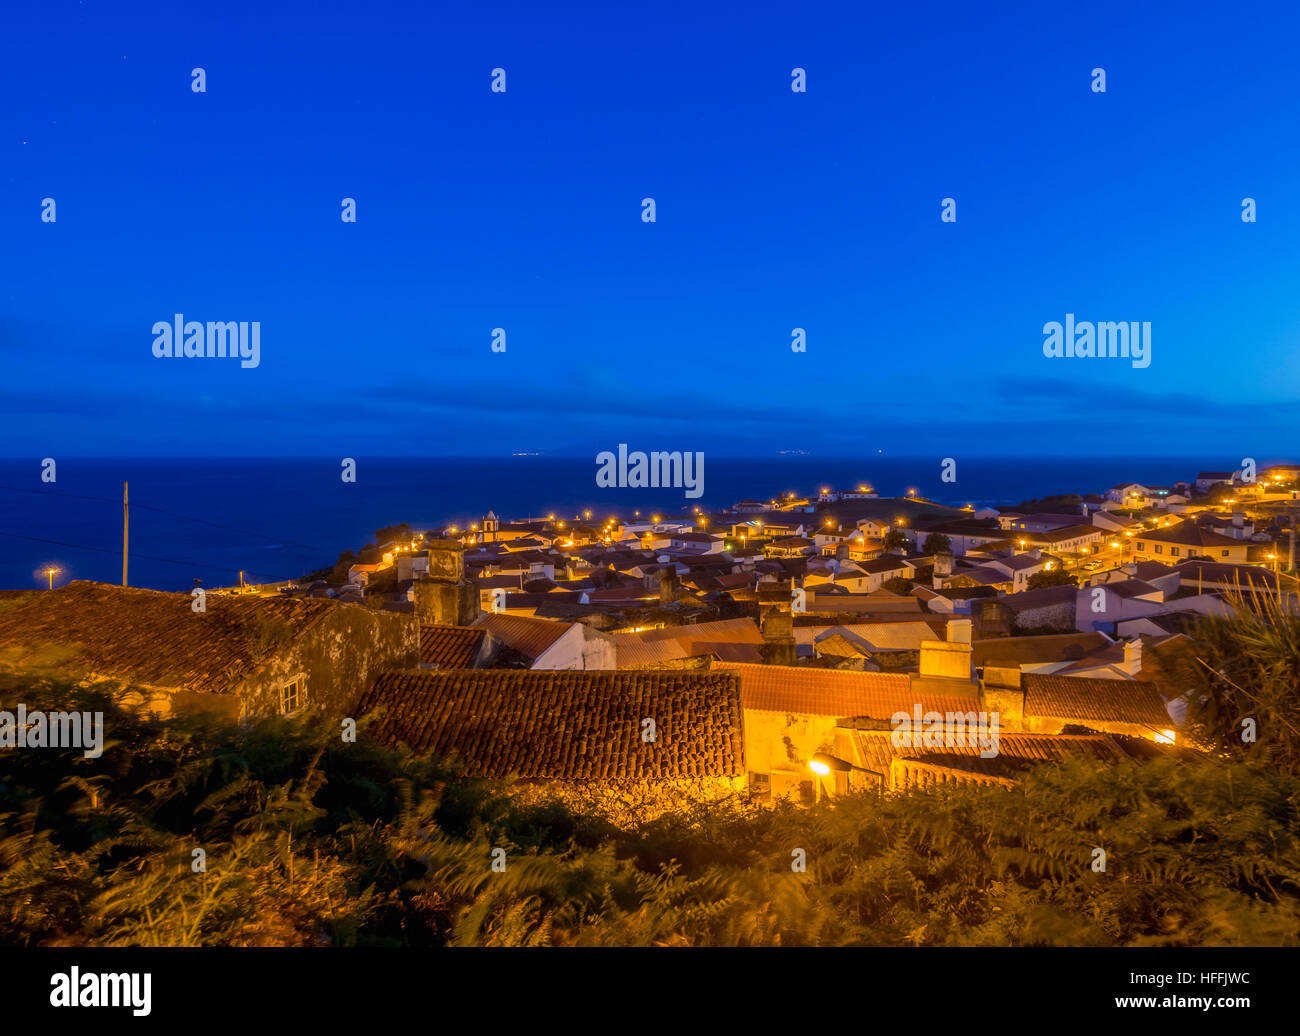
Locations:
51 572
824 764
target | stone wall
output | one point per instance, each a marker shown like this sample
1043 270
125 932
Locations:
338 656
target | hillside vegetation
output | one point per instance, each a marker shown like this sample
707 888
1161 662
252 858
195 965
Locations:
311 841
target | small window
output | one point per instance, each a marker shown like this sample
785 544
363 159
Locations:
1141 546
293 695
1159 549
1225 553
1173 551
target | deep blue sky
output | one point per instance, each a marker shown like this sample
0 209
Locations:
775 210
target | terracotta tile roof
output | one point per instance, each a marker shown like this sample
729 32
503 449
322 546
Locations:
530 637
1017 753
1131 588
841 645
1015 651
876 636
155 638
864 604
632 651
650 646
835 692
735 631
1095 700
888 563
1043 597
1067 532
565 724
727 651
1247 577
450 647
1188 533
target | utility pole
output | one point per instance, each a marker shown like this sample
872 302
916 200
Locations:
126 519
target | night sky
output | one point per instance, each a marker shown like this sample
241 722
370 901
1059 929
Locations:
522 210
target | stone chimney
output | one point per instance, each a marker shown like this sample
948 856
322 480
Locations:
1007 703
668 584
943 565
445 597
949 658
778 647
841 552
1133 656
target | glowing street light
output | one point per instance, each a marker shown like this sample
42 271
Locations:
824 764
51 572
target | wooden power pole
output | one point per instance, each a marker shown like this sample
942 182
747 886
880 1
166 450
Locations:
126 518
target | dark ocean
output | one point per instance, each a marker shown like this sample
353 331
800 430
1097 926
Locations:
278 519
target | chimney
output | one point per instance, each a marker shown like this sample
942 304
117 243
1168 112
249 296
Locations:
445 597
951 658
1133 656
446 560
943 564
668 584
778 647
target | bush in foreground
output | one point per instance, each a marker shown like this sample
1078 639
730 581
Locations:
310 841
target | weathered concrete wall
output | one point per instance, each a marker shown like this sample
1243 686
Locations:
778 740
338 656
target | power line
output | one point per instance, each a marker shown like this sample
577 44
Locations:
159 510
142 557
